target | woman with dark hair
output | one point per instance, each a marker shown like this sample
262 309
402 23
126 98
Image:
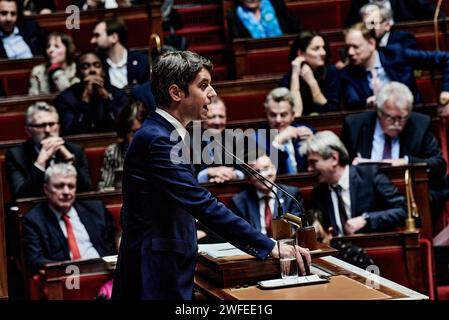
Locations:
313 82
59 72
129 121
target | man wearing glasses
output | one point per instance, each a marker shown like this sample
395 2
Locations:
26 163
396 135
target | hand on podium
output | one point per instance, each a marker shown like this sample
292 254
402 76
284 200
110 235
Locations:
302 256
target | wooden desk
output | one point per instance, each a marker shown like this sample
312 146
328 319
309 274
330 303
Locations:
384 289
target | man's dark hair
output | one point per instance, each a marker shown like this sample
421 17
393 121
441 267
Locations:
116 25
175 67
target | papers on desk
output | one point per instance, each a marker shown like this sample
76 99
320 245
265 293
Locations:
220 250
298 281
110 261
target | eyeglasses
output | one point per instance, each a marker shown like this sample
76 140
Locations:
42 125
392 119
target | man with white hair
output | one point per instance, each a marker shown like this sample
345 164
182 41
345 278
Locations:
63 228
351 198
396 135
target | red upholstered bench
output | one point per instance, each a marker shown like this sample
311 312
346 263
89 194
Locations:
12 126
95 157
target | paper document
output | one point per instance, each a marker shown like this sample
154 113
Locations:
220 250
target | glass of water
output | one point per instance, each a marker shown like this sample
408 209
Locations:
289 265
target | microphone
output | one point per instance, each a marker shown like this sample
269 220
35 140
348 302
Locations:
251 171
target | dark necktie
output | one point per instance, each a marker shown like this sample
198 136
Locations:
341 207
387 147
268 216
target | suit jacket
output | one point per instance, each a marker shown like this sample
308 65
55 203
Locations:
142 92
26 180
33 35
370 191
45 242
161 200
137 67
99 115
405 39
416 141
288 24
246 204
264 140
403 10
399 64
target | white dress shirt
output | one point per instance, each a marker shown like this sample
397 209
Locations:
118 72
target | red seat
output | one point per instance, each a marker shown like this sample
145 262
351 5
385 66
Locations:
95 157
12 126
114 210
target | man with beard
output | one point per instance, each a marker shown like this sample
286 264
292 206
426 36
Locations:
92 105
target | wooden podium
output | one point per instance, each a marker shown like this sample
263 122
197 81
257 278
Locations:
224 279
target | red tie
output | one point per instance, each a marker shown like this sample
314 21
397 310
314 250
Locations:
73 246
268 216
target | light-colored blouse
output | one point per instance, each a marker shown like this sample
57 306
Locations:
62 79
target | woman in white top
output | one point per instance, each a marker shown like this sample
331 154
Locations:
59 72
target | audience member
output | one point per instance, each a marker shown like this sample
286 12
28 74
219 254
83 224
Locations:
257 204
64 228
38 7
351 198
26 163
123 67
260 19
281 135
20 39
403 10
59 72
91 105
371 68
380 18
396 135
314 83
101 4
129 121
217 167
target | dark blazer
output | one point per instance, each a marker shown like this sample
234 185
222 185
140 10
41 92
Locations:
99 115
26 180
288 24
329 82
142 92
161 200
372 192
246 204
264 141
416 140
403 10
402 38
137 66
45 242
399 65
33 35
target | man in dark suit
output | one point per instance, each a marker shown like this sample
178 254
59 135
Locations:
257 204
26 164
20 39
351 198
92 105
403 10
63 228
282 136
380 18
371 68
123 67
395 134
162 198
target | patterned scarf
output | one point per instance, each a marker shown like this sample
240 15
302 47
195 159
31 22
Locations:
267 26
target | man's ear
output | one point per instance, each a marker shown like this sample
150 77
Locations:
28 131
114 37
175 92
45 188
335 157
372 42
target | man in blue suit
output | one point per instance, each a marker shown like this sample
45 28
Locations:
257 204
123 67
351 198
371 68
162 198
